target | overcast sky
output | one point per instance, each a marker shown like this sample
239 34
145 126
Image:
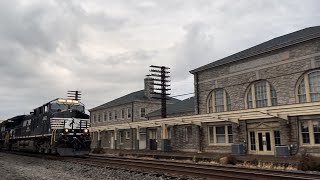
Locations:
104 48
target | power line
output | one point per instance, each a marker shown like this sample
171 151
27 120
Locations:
182 94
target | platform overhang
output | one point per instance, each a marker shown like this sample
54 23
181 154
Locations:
282 112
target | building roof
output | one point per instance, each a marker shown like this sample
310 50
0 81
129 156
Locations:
129 98
271 45
183 106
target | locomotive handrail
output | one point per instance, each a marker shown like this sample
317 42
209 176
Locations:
53 137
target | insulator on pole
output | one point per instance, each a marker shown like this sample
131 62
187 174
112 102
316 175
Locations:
160 75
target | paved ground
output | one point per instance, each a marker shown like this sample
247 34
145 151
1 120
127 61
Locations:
15 167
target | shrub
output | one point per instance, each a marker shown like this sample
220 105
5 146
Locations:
309 163
228 160
255 162
97 151
232 160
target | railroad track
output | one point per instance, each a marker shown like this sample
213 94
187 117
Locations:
194 170
174 168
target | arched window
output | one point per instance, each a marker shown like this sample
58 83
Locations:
218 101
260 94
308 89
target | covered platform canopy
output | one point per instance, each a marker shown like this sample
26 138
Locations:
282 112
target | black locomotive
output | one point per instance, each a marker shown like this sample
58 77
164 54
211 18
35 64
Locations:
59 126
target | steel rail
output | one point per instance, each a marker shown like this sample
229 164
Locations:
174 168
298 173
202 170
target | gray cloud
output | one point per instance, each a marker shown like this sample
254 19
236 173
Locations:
104 48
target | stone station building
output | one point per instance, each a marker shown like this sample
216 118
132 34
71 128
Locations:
127 109
260 100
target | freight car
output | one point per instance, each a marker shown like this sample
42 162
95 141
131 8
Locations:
59 126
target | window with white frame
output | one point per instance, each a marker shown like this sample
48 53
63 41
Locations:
153 134
142 112
129 113
104 116
308 89
110 116
115 115
99 118
218 101
188 134
277 139
220 134
310 132
261 94
94 118
122 113
252 136
121 137
127 134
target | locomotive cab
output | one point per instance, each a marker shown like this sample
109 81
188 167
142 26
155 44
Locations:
59 126
69 124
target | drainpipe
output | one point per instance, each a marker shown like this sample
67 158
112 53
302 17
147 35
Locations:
197 89
132 112
132 144
298 137
246 137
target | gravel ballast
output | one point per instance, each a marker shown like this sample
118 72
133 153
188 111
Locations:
19 167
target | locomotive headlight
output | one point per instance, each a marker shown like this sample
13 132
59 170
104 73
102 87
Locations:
86 131
66 130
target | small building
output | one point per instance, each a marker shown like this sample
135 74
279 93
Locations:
127 109
189 132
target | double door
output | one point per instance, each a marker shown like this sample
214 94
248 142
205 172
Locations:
261 142
264 142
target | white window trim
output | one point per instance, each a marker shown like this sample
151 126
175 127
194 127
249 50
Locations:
105 117
115 115
311 134
253 95
121 137
129 112
212 95
145 112
127 135
110 115
215 136
122 114
186 134
304 78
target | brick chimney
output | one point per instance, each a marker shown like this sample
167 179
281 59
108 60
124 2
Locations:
148 88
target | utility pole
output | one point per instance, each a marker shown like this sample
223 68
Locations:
75 95
159 76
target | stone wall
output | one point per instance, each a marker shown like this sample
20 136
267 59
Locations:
282 68
135 114
174 115
179 142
